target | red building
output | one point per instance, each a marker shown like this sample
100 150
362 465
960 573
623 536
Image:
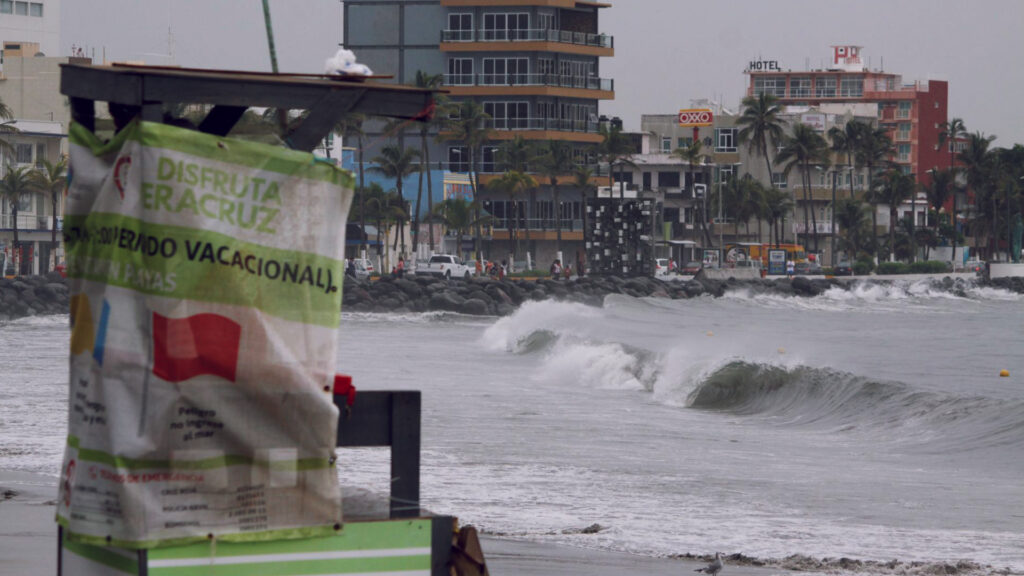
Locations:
914 113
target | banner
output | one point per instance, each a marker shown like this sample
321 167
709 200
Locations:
205 281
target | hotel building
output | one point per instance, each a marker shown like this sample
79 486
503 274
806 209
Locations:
533 65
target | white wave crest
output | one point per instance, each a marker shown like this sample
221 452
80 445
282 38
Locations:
602 366
549 315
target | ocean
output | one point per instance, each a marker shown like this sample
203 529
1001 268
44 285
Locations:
870 424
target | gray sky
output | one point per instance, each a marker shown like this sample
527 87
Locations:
667 52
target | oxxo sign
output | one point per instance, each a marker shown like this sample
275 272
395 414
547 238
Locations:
696 117
758 65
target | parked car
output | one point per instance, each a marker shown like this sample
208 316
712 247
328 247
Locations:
364 268
446 266
690 268
843 268
661 266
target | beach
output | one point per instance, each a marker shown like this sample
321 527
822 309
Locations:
28 543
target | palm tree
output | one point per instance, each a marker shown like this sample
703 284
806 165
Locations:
516 155
374 206
951 132
693 156
458 214
556 160
846 141
804 148
852 218
511 184
52 179
430 82
351 124
980 165
777 204
15 182
894 188
762 126
397 163
472 130
938 190
614 149
874 150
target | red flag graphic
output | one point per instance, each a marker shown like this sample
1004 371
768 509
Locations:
202 344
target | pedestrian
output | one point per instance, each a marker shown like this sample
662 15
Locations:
501 270
790 268
350 267
400 269
556 269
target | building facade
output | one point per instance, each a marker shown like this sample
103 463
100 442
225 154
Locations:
30 88
533 66
912 112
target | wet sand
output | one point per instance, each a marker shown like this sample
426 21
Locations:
28 543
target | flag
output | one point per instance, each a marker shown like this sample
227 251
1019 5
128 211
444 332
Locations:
201 344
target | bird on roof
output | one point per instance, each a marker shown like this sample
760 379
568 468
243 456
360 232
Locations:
714 567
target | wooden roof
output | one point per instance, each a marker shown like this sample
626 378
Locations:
327 98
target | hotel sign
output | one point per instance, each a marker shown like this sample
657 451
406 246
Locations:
696 117
763 65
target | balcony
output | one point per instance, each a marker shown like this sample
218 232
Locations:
542 39
511 84
547 124
28 222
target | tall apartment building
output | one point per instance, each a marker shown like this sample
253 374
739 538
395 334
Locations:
533 65
913 112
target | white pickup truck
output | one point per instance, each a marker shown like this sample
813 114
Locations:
446 266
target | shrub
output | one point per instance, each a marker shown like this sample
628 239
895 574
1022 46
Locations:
928 267
863 266
892 268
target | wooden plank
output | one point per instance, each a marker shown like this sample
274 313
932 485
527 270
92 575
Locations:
222 119
322 118
383 418
441 544
405 455
83 111
137 86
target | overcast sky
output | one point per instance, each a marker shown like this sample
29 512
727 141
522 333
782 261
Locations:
667 52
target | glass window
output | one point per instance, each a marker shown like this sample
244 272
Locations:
40 154
825 87
21 8
852 86
666 144
489 159
458 159
904 131
903 152
772 85
799 86
6 6
904 109
460 72
23 153
668 179
779 180
508 115
25 202
684 142
460 27
35 9
726 139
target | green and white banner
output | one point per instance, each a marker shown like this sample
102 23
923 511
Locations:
206 290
